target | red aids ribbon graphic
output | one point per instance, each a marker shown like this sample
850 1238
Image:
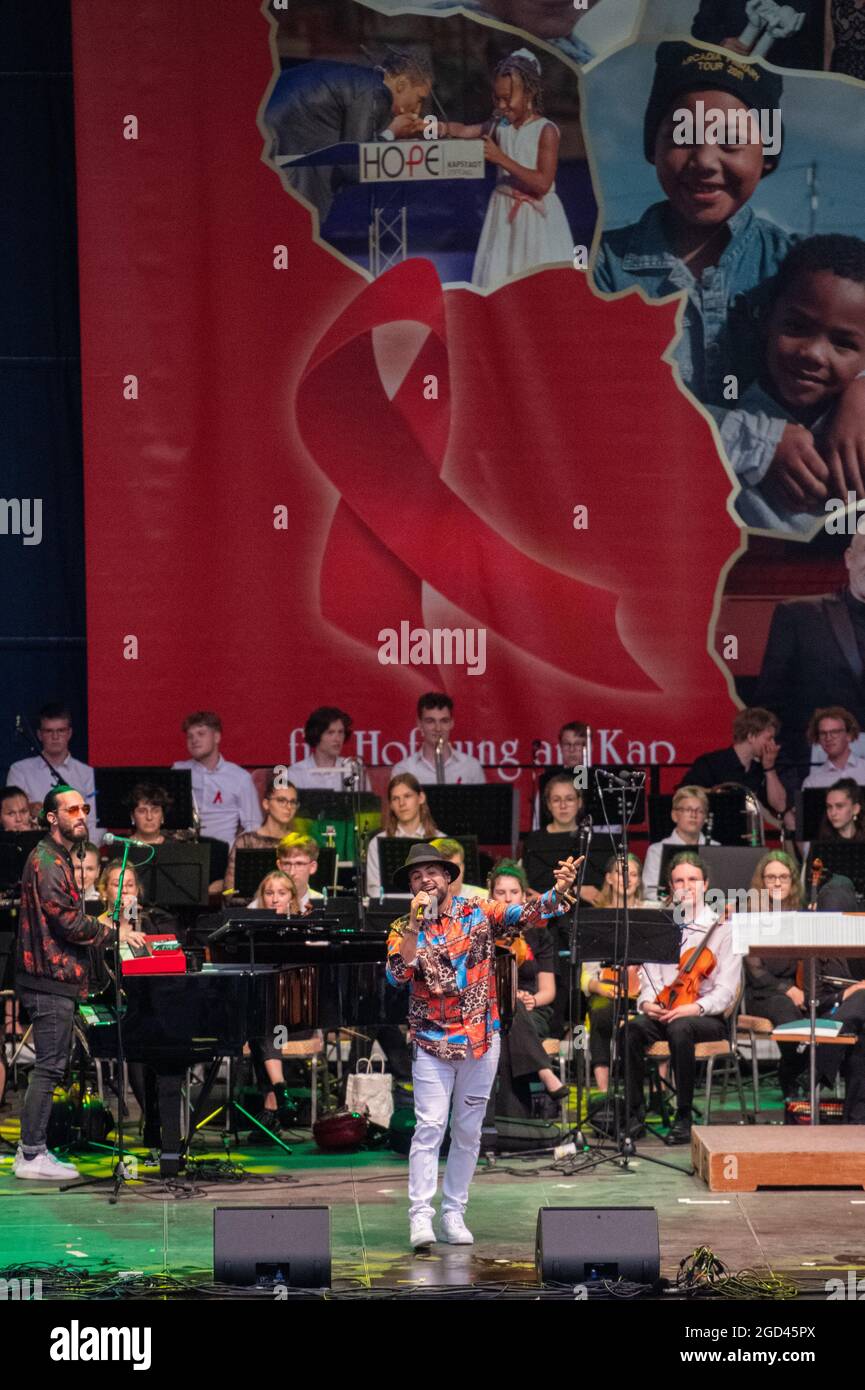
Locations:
400 524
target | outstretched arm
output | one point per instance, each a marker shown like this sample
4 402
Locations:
538 181
455 130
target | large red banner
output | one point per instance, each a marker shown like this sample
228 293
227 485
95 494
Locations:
295 466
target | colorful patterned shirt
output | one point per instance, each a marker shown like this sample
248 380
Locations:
453 1010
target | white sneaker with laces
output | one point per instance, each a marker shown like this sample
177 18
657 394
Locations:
421 1233
454 1229
43 1168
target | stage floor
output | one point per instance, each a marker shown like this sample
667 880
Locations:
808 1235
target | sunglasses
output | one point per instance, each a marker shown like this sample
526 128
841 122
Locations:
76 811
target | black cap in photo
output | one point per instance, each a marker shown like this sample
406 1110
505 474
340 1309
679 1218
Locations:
683 67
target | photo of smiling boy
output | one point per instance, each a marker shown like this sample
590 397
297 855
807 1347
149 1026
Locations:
703 237
814 349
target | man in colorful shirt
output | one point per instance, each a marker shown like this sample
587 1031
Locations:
445 950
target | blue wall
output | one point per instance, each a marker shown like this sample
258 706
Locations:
42 619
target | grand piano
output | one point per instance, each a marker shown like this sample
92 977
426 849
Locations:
171 1022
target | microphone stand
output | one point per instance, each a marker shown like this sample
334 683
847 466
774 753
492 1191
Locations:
575 968
624 1147
354 780
535 772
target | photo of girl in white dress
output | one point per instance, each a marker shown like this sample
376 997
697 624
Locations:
525 225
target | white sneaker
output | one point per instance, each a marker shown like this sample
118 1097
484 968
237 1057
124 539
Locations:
43 1168
421 1233
454 1229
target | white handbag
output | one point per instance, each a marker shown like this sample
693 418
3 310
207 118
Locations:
370 1091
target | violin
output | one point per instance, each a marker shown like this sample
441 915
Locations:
609 980
694 967
519 949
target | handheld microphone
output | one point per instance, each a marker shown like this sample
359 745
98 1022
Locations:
428 912
125 840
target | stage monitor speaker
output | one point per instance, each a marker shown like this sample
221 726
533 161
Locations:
578 1244
272 1245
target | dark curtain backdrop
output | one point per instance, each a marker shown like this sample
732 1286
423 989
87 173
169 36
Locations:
42 633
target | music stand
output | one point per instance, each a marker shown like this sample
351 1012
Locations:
393 850
251 865
598 806
490 812
114 784
810 810
323 809
845 857
619 786
15 848
655 937
730 867
178 875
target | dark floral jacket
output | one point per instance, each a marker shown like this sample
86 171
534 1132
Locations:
54 930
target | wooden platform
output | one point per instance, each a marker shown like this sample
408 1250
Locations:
734 1158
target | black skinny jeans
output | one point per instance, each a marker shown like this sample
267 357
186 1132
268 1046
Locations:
51 1017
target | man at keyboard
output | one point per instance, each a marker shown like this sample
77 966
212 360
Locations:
53 969
683 1025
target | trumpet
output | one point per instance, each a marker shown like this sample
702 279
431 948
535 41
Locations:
440 761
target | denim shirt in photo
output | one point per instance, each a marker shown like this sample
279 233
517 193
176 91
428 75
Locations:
721 324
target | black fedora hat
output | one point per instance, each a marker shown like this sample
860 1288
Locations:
424 854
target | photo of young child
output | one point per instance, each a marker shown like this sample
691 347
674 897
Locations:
703 236
732 211
348 77
814 350
525 224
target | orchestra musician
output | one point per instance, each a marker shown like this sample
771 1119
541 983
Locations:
297 856
52 970
280 803
683 1008
843 816
14 810
453 850
408 816
157 1091
775 986
437 760
148 804
448 962
689 813
522 1056
88 867
543 849
275 893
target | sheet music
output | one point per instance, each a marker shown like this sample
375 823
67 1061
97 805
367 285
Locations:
751 930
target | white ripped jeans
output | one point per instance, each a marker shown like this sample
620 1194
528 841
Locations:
468 1083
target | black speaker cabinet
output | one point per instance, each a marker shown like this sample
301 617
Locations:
579 1244
264 1245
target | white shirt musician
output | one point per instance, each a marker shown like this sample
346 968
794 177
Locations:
683 1024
